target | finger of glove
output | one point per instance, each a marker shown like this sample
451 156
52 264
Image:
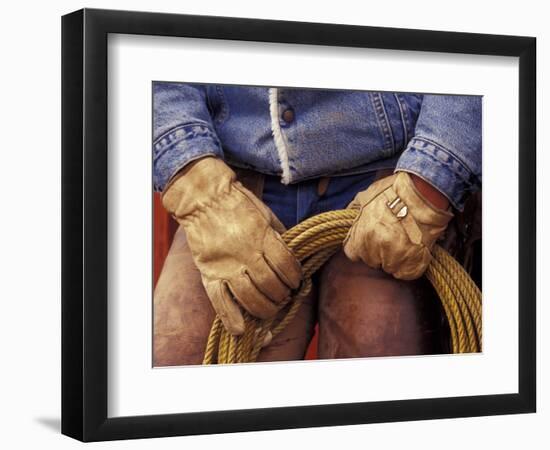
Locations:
398 256
281 260
352 243
392 246
225 307
382 247
361 242
267 281
368 249
250 298
416 265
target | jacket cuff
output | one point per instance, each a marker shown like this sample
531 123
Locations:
180 146
439 167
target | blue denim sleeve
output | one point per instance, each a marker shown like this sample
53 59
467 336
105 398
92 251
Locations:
182 129
446 148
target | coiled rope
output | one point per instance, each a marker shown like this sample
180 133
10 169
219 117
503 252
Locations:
314 241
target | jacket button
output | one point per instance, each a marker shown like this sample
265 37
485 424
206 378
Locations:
288 115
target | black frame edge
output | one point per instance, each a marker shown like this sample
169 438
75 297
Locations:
527 289
72 89
312 33
167 425
95 236
84 242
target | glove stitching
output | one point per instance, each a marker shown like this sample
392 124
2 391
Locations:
201 209
250 201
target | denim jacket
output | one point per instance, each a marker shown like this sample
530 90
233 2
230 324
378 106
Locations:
299 134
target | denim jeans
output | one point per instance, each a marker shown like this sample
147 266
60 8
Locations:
294 203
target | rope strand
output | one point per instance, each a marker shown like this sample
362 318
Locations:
314 241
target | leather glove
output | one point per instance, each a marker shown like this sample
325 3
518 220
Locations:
235 242
396 227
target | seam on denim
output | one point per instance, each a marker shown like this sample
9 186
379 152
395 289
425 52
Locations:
224 106
209 104
404 119
215 147
278 136
160 186
382 119
425 151
197 123
456 179
235 162
348 172
178 135
390 131
451 154
201 128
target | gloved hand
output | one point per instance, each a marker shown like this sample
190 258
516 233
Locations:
235 242
396 228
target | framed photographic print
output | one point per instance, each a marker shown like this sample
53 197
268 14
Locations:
273 224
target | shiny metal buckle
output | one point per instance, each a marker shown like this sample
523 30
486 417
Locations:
398 208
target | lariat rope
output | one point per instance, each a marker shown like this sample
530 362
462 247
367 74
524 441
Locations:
313 242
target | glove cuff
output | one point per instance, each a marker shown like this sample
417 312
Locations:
421 209
197 185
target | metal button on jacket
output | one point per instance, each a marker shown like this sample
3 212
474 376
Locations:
288 115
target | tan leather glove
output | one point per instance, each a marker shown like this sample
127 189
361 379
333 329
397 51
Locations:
396 228
235 242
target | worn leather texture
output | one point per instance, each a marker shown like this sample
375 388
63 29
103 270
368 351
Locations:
366 312
396 228
183 315
235 242
362 312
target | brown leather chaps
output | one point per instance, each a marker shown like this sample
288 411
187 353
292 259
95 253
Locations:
183 316
361 312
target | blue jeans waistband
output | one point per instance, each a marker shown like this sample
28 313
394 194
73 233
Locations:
294 203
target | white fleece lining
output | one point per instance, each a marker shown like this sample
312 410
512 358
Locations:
278 134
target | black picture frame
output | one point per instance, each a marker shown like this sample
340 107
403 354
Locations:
84 224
